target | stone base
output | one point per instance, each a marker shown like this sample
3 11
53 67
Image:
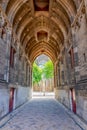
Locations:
81 105
21 95
4 102
62 96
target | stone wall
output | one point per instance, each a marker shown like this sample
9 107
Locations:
86 7
15 68
4 98
81 98
22 95
81 76
63 97
75 77
2 59
4 102
70 68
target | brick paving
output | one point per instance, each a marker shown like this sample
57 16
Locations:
42 114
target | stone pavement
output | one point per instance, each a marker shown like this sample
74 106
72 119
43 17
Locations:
42 114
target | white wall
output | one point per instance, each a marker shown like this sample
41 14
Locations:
22 94
82 107
4 102
63 97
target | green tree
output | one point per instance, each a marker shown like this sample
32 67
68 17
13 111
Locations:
37 74
45 72
48 70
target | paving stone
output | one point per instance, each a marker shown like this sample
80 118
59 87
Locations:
42 114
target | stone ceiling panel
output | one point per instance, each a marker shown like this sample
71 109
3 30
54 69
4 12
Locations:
31 17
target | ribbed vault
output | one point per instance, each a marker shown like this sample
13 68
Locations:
41 25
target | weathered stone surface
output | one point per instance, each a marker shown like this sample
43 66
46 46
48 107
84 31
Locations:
42 114
4 102
57 28
22 94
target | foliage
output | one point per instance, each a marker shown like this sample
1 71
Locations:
48 70
37 74
45 72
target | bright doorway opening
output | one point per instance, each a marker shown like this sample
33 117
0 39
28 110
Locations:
43 77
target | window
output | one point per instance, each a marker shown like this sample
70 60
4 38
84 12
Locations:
2 33
84 55
23 65
71 52
12 53
26 72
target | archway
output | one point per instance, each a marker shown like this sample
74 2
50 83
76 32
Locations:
57 28
43 76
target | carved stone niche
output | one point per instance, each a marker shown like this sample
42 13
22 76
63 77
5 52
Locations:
16 44
3 2
20 55
82 13
76 26
4 30
9 28
69 40
1 19
80 18
83 10
9 32
0 32
79 2
68 43
1 22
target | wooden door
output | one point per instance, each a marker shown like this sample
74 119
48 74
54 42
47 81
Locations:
73 100
11 100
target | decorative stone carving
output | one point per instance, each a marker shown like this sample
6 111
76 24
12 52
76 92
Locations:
1 22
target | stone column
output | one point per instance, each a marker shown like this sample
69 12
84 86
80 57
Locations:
8 41
56 74
30 76
67 63
86 7
27 74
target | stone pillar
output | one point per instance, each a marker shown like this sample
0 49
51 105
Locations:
5 37
8 41
30 76
4 3
67 63
56 74
75 49
86 7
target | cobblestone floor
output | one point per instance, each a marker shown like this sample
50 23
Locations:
42 114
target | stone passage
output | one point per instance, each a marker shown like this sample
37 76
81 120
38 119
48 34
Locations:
42 114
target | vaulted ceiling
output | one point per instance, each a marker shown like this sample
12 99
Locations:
41 25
